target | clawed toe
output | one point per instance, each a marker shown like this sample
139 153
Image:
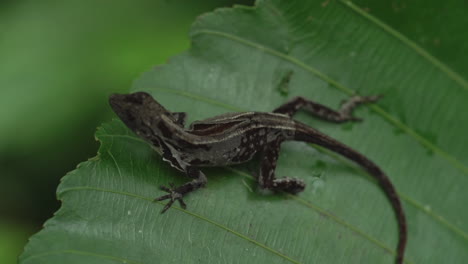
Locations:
347 106
374 98
289 185
166 189
173 196
164 197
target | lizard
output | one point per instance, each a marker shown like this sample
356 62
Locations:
235 138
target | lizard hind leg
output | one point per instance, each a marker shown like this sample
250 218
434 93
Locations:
323 112
267 179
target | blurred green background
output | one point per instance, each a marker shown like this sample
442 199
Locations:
59 60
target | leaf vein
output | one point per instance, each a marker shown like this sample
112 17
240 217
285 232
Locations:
423 53
232 231
115 162
441 220
331 216
85 253
387 116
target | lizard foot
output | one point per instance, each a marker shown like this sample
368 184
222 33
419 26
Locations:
357 99
172 196
347 106
289 185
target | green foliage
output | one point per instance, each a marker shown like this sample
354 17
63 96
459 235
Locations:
438 28
59 60
238 61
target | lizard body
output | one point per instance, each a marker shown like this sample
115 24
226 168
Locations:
235 138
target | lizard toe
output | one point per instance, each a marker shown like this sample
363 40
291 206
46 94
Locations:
289 185
172 196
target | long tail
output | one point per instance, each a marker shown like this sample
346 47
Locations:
310 135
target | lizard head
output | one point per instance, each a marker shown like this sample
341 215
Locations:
139 111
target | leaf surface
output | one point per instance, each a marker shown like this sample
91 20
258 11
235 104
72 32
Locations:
436 28
255 59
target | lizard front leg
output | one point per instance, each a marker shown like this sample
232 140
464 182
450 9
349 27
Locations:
180 118
324 112
267 179
177 193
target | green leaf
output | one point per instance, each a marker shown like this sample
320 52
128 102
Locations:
248 59
435 27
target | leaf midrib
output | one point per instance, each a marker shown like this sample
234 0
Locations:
294 197
378 110
439 219
248 176
225 228
236 233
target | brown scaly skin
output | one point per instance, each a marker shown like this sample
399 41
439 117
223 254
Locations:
235 138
